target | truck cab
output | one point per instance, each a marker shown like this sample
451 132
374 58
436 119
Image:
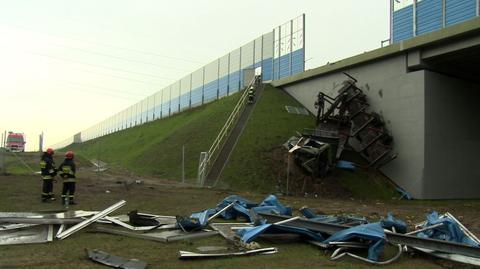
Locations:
15 142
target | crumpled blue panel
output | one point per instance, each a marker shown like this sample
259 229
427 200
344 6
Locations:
272 200
203 216
449 231
391 221
242 207
372 231
248 234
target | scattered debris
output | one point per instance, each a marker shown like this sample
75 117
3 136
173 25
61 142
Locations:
89 221
211 248
343 122
441 246
27 235
346 120
442 236
164 236
115 261
99 165
184 255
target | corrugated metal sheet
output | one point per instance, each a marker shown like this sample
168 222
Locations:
429 16
403 24
298 61
459 11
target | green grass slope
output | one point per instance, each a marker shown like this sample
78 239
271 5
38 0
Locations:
155 148
256 164
252 164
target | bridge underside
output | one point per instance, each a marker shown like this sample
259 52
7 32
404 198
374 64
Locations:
429 98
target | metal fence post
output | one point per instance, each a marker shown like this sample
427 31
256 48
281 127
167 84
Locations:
291 47
414 17
444 13
2 162
288 172
183 164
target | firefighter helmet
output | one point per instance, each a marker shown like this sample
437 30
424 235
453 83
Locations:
69 155
50 151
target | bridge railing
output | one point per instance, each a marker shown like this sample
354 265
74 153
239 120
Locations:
209 157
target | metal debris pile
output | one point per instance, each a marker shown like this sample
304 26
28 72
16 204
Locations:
343 123
442 236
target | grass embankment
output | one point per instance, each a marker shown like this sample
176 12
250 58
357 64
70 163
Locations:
253 164
155 148
256 164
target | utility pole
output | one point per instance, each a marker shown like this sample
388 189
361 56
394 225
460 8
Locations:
1 145
40 142
2 161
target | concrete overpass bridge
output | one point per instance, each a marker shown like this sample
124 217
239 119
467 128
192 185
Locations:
428 91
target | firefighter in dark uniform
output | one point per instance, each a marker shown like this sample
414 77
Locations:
48 172
251 95
67 172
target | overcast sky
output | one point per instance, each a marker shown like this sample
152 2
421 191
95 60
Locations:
66 65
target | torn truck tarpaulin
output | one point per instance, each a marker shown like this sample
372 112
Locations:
449 231
372 232
115 261
249 234
87 222
27 235
394 238
184 255
237 206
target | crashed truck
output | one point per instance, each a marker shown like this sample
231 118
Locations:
343 123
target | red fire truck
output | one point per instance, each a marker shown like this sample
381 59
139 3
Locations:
15 142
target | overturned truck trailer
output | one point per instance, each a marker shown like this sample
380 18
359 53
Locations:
343 123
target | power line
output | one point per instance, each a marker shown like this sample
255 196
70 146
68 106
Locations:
136 94
89 90
123 58
101 66
113 76
110 45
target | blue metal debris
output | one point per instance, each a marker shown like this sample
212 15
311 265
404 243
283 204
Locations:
242 207
404 194
248 234
346 165
449 231
372 232
399 225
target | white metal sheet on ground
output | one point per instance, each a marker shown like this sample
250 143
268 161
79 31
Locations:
30 235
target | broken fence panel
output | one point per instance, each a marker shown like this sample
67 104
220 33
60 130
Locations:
164 237
184 255
28 235
89 221
115 261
